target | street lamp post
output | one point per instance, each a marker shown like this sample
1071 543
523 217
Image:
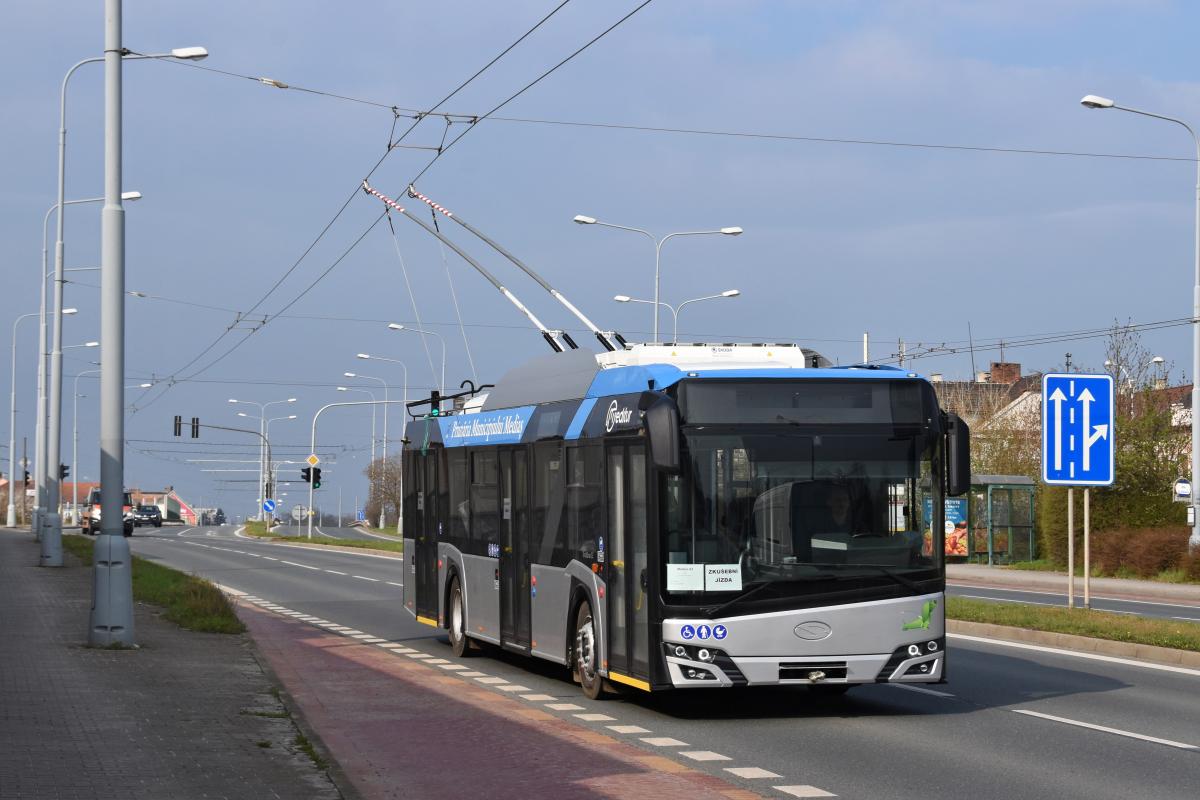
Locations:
373 402
113 55
395 326
365 356
262 444
75 446
624 298
1094 101
11 522
658 245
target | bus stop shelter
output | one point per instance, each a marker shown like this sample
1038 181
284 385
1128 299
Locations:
1000 515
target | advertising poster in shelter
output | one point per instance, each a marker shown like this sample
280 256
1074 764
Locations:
956 526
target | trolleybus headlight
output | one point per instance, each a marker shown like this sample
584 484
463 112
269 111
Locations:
931 646
705 654
681 651
914 650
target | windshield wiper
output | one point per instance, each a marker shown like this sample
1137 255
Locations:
716 610
906 582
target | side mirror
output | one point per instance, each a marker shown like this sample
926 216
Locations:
662 429
958 456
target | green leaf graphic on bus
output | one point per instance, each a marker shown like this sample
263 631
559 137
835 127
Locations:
921 622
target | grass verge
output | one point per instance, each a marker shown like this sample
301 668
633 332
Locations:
186 600
1079 622
257 528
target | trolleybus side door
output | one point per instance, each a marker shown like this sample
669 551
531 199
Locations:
628 570
514 548
427 534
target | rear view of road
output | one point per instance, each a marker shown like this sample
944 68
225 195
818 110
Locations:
1013 721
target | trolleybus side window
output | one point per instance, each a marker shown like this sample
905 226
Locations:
484 479
549 490
583 501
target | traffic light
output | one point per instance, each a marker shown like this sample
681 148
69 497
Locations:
435 403
26 479
178 425
306 473
195 427
316 477
63 471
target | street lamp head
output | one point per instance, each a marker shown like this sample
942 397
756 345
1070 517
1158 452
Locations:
91 344
291 416
145 385
242 414
396 326
349 375
1158 360
1096 101
734 231
131 196
70 311
362 355
136 294
622 298
731 293
291 400
232 400
343 389
582 220
190 53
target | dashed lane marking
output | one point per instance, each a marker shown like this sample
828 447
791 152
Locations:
1106 729
704 755
538 698
451 667
752 773
512 687
663 741
334 572
564 707
803 791
627 728
304 566
488 679
1063 595
595 717
470 674
365 578
393 583
1129 662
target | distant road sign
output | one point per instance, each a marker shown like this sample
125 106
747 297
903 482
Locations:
269 506
361 515
313 460
1077 430
1182 489
297 513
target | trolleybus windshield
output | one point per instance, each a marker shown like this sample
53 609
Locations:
848 495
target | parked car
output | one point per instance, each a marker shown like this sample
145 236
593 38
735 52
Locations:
147 515
89 523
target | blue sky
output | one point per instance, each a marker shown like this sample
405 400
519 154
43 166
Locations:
906 243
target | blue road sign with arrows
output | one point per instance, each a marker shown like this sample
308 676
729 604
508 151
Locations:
1077 430
269 506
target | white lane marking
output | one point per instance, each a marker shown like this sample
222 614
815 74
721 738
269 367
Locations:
1189 619
538 698
452 667
704 755
365 578
627 728
471 674
595 717
1105 729
419 655
393 583
399 557
512 687
334 572
803 791
294 564
920 689
352 631
1129 662
663 741
752 772
1063 595
1022 602
491 680
231 590
564 707
438 661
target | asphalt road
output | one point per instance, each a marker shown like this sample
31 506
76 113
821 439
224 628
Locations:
1013 721
1146 608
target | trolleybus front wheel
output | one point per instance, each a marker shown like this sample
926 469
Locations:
586 656
458 622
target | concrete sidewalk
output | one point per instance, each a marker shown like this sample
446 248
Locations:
981 575
187 715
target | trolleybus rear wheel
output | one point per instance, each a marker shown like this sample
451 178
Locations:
458 621
586 657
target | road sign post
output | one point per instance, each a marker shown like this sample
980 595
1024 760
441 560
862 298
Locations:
1078 435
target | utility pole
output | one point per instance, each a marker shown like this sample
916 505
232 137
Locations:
112 590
